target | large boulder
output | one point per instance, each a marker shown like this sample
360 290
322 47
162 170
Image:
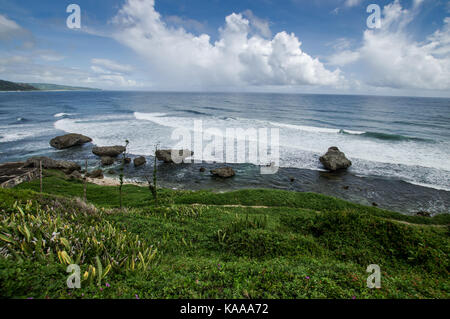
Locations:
224 172
335 160
179 155
69 140
139 161
107 160
98 173
111 151
48 163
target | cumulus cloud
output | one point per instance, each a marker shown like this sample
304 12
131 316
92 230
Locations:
393 59
241 56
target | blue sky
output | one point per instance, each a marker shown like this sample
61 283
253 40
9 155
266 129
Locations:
321 46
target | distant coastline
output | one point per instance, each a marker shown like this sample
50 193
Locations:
7 86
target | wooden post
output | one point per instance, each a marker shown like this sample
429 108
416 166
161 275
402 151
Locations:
84 179
40 175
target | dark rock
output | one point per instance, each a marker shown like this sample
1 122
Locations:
335 160
202 169
423 214
48 163
13 174
166 155
106 160
76 175
139 161
111 172
346 187
69 140
127 160
223 172
292 179
98 174
111 151
374 204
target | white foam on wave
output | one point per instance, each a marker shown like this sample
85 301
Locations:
313 129
62 114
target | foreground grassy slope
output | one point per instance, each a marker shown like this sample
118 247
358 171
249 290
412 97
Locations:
206 245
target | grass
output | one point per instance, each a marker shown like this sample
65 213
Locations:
243 244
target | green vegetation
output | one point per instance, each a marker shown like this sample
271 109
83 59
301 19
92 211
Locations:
11 86
243 244
55 87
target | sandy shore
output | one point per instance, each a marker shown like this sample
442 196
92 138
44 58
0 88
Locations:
111 181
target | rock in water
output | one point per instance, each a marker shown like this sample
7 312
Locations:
223 172
107 160
139 161
98 173
166 155
69 140
127 160
335 160
111 151
48 163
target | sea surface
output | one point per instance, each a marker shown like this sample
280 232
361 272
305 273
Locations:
399 146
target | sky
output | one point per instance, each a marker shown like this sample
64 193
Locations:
286 46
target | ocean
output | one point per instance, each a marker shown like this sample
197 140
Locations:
399 146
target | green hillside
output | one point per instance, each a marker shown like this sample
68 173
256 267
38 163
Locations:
11 86
242 244
55 87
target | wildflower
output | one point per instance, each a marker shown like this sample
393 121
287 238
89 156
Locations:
101 289
354 297
307 277
108 285
136 295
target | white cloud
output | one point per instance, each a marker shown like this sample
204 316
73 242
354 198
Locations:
111 66
261 26
9 28
343 58
352 3
238 58
20 68
391 58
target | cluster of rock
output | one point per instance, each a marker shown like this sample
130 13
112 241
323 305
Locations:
333 160
48 163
